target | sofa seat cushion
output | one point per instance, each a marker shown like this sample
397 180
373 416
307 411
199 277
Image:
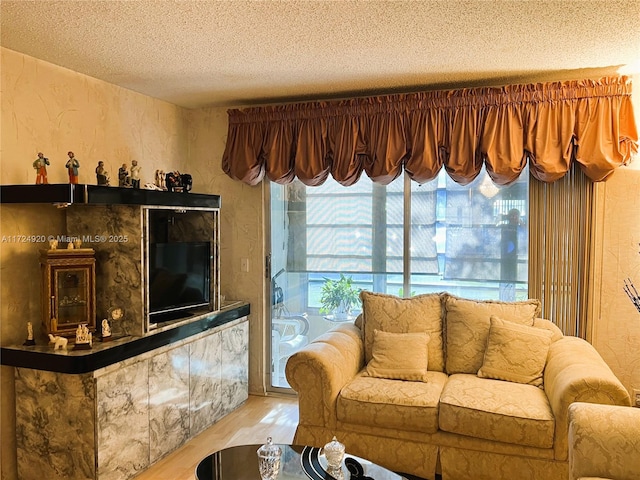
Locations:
496 410
397 404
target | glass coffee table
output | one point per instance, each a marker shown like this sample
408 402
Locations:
241 463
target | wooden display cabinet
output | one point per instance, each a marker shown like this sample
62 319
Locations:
68 290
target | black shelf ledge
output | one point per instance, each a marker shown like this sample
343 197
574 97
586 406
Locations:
69 194
43 357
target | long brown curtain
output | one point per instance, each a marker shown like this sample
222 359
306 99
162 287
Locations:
549 125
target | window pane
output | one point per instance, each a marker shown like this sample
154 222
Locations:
424 248
481 237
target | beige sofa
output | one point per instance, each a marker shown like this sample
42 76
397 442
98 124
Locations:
604 442
436 383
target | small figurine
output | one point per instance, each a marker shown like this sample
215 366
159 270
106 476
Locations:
178 182
29 340
101 174
123 176
135 174
84 338
59 342
160 180
172 180
77 243
70 246
72 167
53 244
106 330
40 164
187 182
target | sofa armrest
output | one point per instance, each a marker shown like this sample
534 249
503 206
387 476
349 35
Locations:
318 372
575 372
604 441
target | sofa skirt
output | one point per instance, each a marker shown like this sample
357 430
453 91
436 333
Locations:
461 464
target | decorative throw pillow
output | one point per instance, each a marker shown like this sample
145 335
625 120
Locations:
467 325
399 356
422 313
515 353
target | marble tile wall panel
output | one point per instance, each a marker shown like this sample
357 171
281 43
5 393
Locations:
55 421
190 226
148 355
235 364
117 234
204 382
168 401
151 404
123 422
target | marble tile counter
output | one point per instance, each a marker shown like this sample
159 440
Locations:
43 357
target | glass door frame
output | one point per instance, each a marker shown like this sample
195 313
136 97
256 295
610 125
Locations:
268 303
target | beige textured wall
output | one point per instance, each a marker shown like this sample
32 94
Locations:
616 326
615 321
52 109
241 228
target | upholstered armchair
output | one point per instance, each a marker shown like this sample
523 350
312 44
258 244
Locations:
604 442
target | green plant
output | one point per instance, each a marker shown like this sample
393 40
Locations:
337 294
401 292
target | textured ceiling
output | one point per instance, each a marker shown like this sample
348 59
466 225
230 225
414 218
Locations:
197 53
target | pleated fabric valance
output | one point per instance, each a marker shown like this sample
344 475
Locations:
549 125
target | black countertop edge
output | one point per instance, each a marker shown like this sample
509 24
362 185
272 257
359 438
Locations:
101 195
94 360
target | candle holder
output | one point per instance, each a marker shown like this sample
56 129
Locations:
334 453
269 460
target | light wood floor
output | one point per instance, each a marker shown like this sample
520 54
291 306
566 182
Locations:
257 419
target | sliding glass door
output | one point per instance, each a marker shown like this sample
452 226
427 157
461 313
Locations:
404 239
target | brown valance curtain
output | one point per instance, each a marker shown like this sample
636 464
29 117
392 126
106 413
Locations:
550 125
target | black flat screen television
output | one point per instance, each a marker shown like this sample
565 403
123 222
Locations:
179 279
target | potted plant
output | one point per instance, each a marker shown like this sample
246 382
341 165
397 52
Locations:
338 297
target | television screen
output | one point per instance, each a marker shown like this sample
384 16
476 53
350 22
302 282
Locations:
179 276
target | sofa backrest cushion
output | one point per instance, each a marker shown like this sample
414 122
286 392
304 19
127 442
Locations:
422 313
515 353
399 356
467 325
556 333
